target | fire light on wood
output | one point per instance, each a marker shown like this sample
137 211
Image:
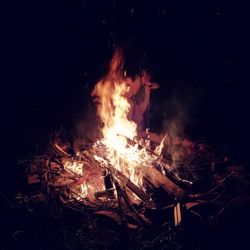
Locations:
118 175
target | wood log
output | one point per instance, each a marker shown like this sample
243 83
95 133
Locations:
141 220
154 176
121 204
159 180
33 179
125 181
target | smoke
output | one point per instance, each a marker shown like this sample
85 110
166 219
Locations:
177 111
175 117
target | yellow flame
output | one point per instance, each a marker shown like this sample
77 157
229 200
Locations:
113 108
118 134
74 167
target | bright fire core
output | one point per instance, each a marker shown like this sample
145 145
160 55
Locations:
118 132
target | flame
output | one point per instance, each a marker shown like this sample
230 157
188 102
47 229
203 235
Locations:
89 181
160 147
113 109
119 145
74 167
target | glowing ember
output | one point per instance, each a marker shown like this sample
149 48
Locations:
90 181
74 166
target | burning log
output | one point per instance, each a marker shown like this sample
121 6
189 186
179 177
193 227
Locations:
141 220
107 194
123 179
120 177
165 165
156 178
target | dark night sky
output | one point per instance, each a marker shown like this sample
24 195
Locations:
196 50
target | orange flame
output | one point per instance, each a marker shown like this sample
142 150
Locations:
113 109
113 106
118 132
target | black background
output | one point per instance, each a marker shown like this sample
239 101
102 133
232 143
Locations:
55 52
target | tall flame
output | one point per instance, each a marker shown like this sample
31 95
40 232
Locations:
113 108
118 145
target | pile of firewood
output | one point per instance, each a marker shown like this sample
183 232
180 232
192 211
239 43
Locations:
165 186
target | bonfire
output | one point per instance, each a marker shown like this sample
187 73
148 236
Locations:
129 169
